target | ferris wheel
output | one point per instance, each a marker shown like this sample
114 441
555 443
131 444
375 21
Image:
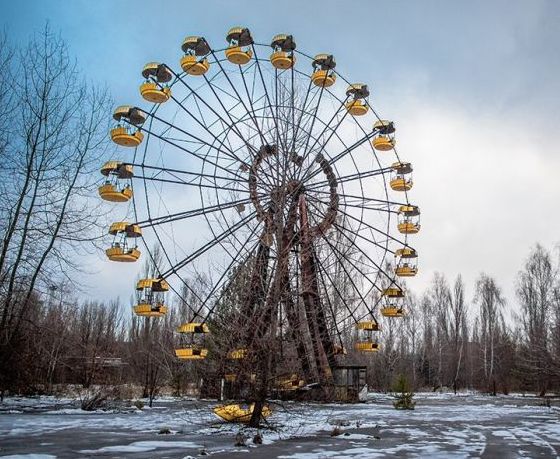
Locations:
269 170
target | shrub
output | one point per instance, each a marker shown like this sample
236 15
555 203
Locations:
403 394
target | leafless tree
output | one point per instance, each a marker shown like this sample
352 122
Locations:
54 138
490 300
457 329
537 291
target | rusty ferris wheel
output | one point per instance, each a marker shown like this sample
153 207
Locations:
283 174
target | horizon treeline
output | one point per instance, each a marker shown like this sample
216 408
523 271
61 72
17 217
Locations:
436 345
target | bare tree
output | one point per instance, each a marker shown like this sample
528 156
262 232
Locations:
537 291
457 329
57 135
490 300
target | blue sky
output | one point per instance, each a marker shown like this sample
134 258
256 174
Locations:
474 87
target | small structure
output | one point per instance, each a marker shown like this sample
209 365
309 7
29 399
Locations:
350 383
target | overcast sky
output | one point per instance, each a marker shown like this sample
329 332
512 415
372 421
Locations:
474 87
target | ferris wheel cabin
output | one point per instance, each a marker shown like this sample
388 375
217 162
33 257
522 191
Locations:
112 190
150 310
393 308
409 219
156 76
195 62
323 70
407 264
191 353
120 249
384 138
237 354
149 296
126 133
366 341
357 106
283 47
192 341
401 177
239 51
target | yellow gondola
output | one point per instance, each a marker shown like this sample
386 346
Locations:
367 325
237 354
406 270
194 62
392 311
384 143
236 55
406 252
149 296
117 168
193 327
283 57
409 219
194 349
400 184
236 413
153 284
384 140
357 105
239 39
126 137
153 93
132 115
407 264
122 254
151 90
191 353
119 250
323 74
191 65
401 179
111 190
366 346
128 229
160 72
366 341
408 228
393 292
150 310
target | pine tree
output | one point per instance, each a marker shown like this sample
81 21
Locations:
403 394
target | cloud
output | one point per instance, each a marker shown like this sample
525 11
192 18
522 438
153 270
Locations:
487 188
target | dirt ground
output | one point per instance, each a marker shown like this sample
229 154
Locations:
441 426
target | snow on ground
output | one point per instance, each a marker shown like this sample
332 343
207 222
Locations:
142 446
443 425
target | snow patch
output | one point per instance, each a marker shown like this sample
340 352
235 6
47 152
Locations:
29 456
142 447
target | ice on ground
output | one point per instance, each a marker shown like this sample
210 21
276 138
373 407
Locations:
29 456
454 427
142 447
503 433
